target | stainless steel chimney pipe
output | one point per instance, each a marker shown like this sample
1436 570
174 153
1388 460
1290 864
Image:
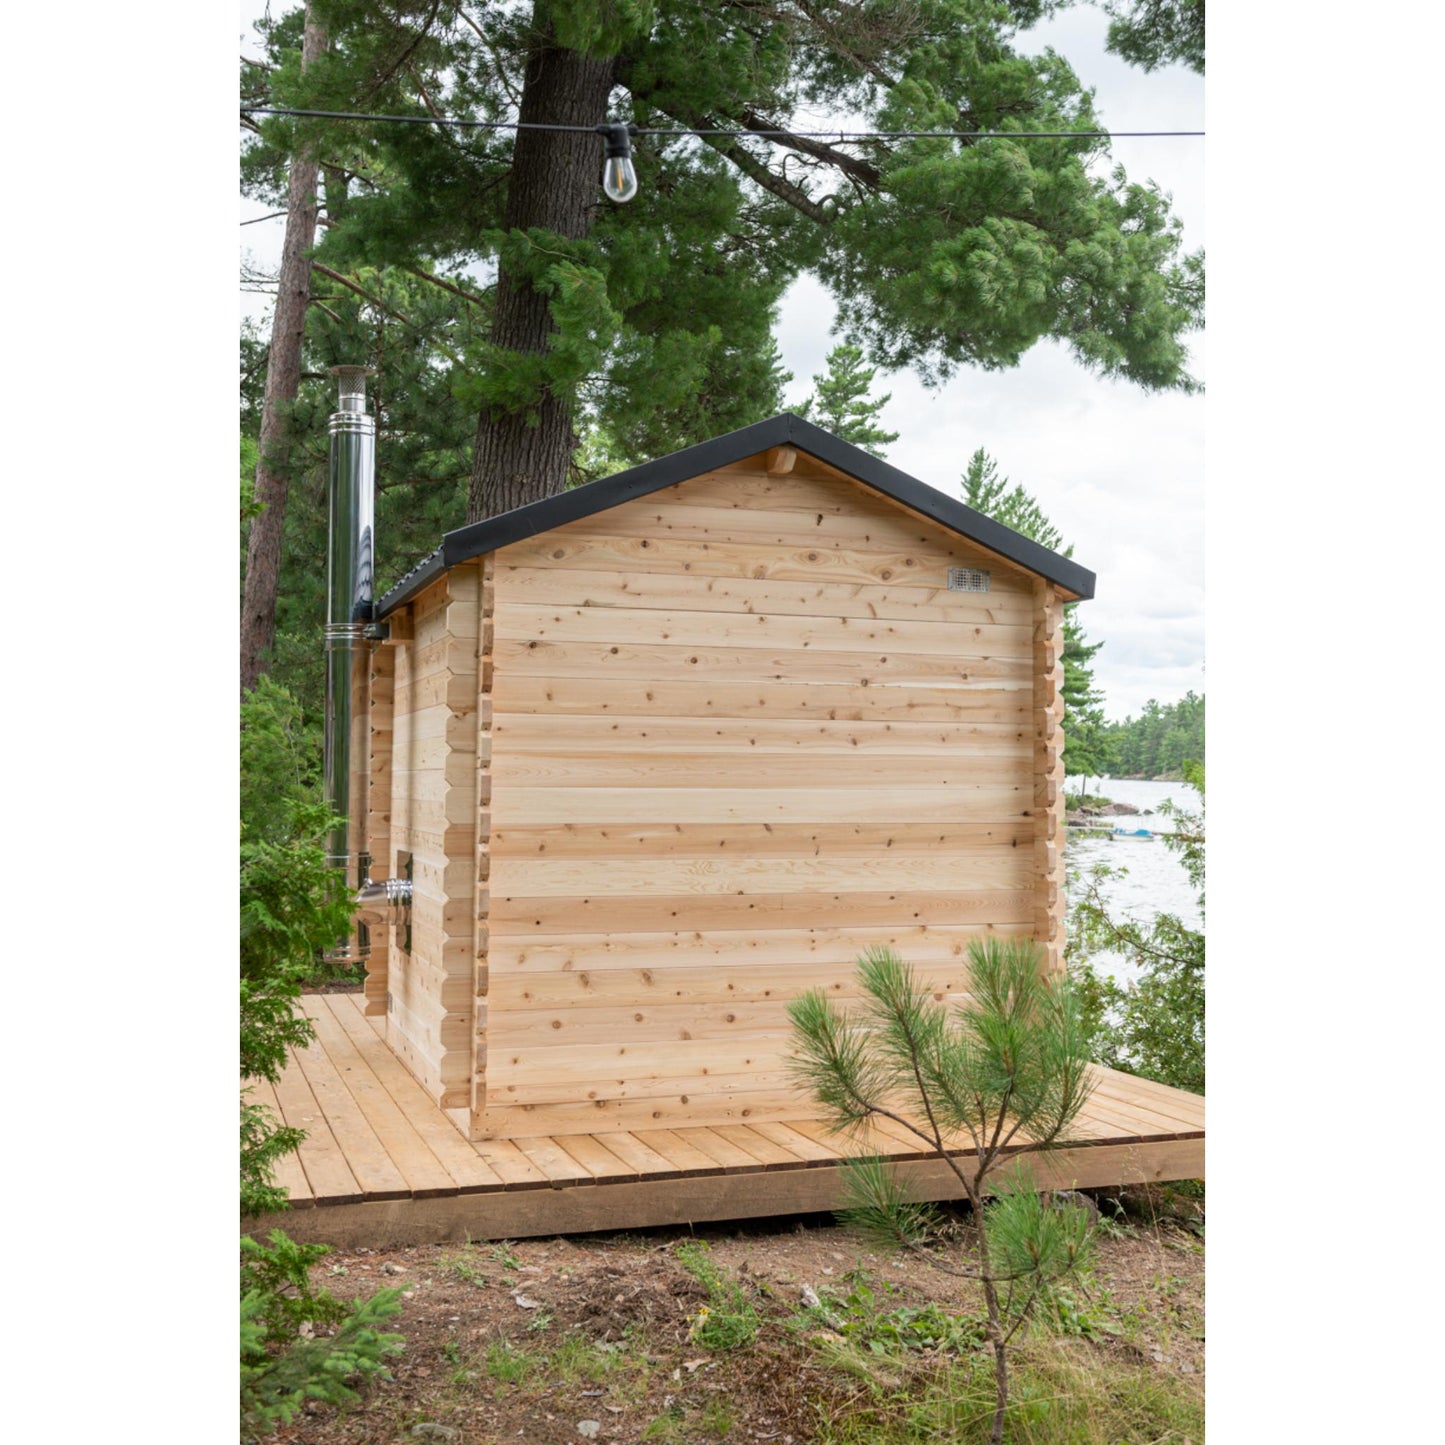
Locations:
349 606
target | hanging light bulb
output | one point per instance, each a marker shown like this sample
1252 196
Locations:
619 179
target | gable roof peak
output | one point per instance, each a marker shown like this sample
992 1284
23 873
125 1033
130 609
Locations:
784 429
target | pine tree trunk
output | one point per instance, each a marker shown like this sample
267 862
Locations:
556 185
283 378
993 1324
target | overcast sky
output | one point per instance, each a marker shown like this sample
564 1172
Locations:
1119 473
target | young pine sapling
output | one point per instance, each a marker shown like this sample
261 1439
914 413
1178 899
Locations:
979 1086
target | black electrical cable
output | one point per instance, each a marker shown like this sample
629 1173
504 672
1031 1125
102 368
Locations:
836 135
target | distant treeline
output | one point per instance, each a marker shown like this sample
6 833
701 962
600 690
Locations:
1159 741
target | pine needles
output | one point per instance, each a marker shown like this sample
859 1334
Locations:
981 1086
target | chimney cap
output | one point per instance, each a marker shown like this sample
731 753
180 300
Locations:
351 385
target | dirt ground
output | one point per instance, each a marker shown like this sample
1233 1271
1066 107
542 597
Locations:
596 1336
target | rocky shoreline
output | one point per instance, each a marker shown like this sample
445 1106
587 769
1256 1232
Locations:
1083 817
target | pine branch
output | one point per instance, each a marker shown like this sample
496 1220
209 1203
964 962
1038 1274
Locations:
1126 934
838 42
852 166
499 71
758 172
355 286
407 52
445 285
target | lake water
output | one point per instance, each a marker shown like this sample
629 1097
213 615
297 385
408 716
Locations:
1155 881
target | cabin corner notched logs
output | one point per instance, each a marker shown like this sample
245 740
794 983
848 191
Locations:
663 766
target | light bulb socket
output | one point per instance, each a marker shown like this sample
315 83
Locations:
619 139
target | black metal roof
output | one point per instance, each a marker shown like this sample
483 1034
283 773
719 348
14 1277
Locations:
784 430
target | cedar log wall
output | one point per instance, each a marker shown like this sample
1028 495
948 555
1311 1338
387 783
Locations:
738 731
433 785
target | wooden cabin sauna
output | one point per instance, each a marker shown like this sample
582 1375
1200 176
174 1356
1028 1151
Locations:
647 759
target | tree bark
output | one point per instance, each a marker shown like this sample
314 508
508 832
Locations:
283 378
522 456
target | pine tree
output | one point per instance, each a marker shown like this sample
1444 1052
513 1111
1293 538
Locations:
654 318
1162 739
1151 33
1006 1075
275 444
840 403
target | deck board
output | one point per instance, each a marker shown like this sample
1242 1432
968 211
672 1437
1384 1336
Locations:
287 1174
322 1158
376 1174
421 1172
648 1163
806 1149
457 1156
383 1164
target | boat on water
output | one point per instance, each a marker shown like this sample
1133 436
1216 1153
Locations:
1140 833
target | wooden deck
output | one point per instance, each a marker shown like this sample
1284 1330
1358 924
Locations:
381 1164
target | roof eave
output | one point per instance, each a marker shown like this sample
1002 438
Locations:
478 538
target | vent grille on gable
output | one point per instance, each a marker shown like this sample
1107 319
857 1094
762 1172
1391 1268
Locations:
968 579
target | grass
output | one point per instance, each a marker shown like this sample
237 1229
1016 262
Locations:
463 1266
1089 1373
679 1425
507 1364
729 1320
1062 1392
867 1318
573 1362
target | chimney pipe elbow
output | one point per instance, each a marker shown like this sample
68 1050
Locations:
383 901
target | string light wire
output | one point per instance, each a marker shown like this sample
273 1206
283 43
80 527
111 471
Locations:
840 136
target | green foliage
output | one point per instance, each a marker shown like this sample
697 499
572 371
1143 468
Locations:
292 907
1161 740
598 455
1009 1072
1034 1243
1152 1025
1013 1064
987 492
507 1364
284 1361
1152 33
863 1319
263 1142
729 1320
840 402
940 253
280 768
290 910
1088 749
250 507
278 1275
876 1201
1061 1392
